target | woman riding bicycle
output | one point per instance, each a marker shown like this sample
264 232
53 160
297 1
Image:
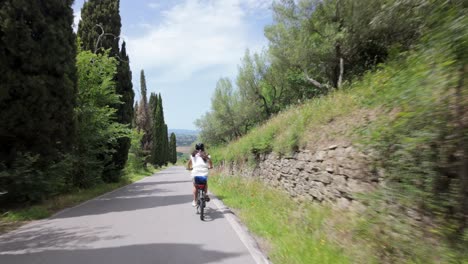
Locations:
199 164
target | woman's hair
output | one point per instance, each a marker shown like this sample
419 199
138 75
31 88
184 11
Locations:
202 153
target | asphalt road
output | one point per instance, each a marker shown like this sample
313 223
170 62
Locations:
150 221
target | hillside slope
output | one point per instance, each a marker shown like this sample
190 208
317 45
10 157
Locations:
411 114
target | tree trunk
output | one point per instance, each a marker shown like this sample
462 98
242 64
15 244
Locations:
340 77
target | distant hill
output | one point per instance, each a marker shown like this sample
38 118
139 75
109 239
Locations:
184 137
184 132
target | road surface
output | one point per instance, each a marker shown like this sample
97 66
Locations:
150 221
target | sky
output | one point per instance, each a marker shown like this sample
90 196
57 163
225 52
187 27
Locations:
186 46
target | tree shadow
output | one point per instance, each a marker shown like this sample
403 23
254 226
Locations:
170 182
46 235
106 205
141 254
137 196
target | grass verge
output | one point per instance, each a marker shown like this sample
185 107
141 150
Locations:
292 233
14 218
295 233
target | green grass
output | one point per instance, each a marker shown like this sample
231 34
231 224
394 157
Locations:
288 130
12 218
294 233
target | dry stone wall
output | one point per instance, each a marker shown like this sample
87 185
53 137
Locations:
334 174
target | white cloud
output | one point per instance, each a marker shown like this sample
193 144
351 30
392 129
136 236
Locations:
193 36
76 20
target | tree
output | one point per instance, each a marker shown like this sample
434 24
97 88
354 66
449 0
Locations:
99 30
37 96
100 25
330 41
124 113
173 148
167 157
98 131
157 152
143 116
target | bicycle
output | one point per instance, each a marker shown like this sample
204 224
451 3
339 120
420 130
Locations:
200 185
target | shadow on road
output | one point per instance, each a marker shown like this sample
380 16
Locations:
46 235
124 203
141 254
213 214
140 195
170 182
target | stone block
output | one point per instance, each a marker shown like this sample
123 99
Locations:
322 177
332 147
285 169
320 156
343 203
300 165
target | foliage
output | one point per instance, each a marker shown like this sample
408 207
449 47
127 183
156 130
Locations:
124 113
229 117
294 233
37 96
104 13
173 149
99 31
137 157
29 179
97 128
160 146
314 46
423 148
143 117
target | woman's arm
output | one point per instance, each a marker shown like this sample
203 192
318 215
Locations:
189 164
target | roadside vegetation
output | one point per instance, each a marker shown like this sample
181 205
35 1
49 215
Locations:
15 215
292 232
408 107
289 232
70 130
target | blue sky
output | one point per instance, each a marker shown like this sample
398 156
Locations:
185 46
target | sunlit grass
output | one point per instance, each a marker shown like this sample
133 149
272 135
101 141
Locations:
294 233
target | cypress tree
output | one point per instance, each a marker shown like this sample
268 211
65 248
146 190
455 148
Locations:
124 88
158 141
37 93
144 116
159 152
173 148
153 102
162 133
106 14
166 152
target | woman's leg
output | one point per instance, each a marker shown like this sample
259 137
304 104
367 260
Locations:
194 193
